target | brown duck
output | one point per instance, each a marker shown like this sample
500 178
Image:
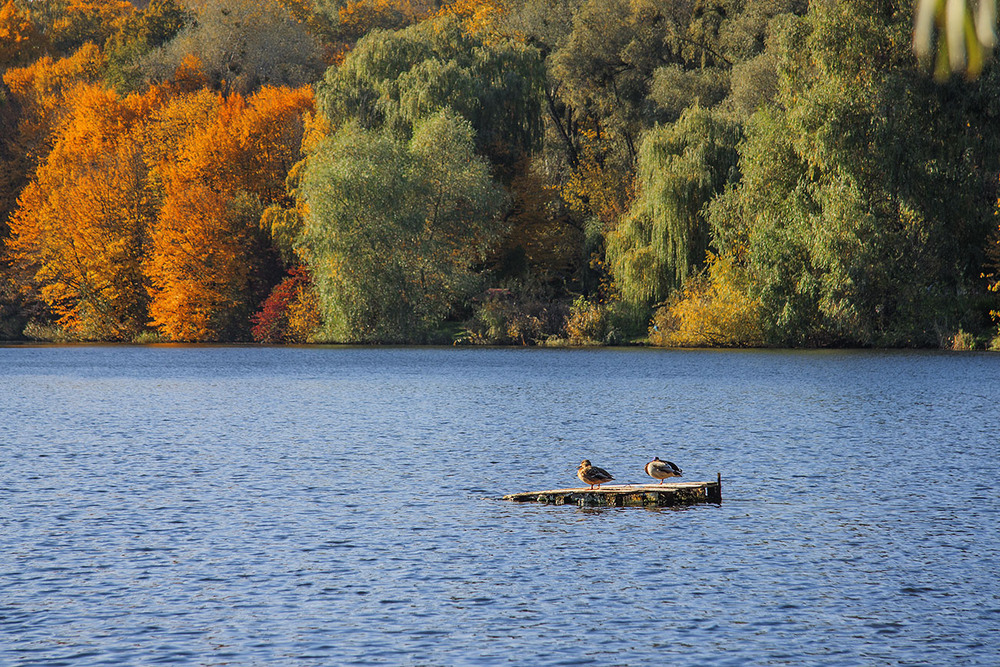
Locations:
590 474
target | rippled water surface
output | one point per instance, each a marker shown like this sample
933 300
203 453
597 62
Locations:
326 506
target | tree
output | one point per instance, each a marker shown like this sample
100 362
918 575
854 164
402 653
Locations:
290 314
359 17
211 263
544 242
606 65
199 272
242 45
32 106
664 237
39 91
867 195
617 70
82 223
394 229
87 21
251 143
138 34
20 39
395 79
992 276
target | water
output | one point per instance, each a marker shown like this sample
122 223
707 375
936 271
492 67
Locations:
328 506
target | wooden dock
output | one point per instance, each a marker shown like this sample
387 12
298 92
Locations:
628 495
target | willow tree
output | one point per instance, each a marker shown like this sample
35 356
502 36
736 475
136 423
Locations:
392 80
665 234
394 229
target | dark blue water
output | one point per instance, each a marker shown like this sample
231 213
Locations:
248 506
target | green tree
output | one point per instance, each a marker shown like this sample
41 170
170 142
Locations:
617 70
868 191
394 230
666 233
605 66
394 79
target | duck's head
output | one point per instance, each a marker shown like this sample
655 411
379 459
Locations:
585 464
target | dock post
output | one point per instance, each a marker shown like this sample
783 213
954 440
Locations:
718 479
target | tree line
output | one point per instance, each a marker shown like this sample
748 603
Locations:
681 173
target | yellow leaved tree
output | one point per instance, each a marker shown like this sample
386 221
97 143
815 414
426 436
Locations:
210 263
712 309
81 225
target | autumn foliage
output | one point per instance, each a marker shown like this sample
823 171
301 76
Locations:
40 90
358 17
20 39
83 222
146 208
291 312
206 261
712 309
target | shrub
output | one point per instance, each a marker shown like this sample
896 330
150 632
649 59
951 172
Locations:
588 323
290 314
712 309
963 341
504 318
605 323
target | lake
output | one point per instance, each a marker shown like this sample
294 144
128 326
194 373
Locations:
340 506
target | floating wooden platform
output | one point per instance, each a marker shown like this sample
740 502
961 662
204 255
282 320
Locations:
628 495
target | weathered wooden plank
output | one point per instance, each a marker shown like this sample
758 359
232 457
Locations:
628 495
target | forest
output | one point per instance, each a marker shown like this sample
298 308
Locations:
686 173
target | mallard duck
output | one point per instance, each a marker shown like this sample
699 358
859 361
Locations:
590 474
661 470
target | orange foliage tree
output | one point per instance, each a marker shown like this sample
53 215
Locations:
483 18
198 266
39 90
31 108
80 229
209 261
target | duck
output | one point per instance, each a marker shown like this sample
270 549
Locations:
661 470
591 474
